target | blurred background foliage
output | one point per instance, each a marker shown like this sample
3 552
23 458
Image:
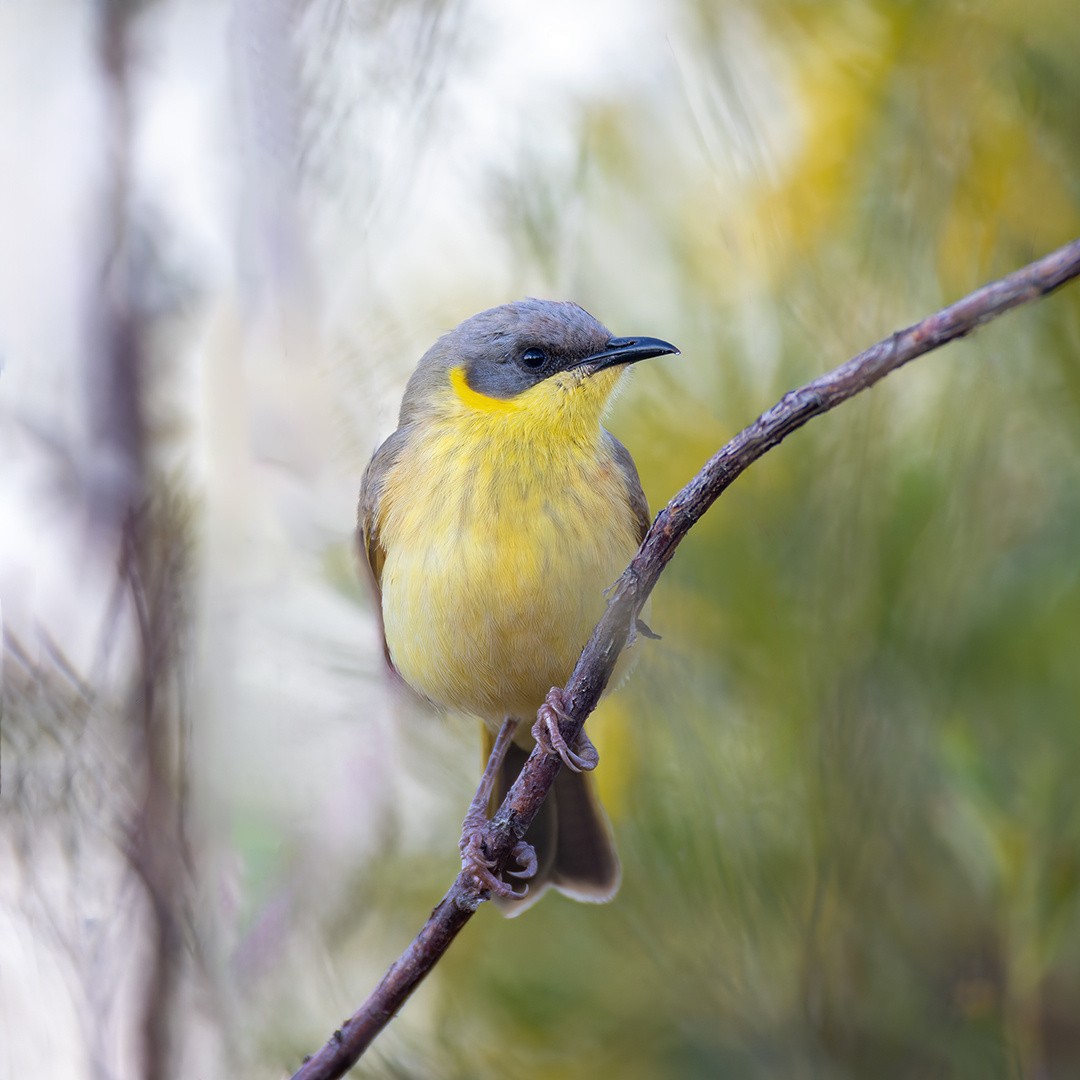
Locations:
844 784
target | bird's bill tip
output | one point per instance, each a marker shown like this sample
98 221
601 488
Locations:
628 350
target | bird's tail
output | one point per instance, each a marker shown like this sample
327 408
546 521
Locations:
575 849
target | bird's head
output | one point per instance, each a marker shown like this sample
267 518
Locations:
540 362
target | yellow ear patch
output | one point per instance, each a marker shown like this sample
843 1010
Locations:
474 399
566 405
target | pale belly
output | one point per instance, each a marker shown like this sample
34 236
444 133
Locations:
490 592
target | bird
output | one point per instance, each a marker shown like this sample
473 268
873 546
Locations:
490 523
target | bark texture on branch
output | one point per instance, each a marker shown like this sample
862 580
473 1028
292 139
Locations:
616 627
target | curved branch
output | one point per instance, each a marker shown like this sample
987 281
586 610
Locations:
615 628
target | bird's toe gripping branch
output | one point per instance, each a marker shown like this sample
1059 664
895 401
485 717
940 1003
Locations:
475 862
474 857
582 756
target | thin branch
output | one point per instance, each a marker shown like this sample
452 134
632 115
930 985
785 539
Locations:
615 629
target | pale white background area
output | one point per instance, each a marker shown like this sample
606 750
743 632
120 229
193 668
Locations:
316 191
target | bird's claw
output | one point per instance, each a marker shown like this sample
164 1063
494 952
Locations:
525 856
582 757
476 863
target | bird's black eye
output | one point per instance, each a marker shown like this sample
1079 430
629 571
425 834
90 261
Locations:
534 358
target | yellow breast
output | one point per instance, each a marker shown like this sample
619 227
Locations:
501 532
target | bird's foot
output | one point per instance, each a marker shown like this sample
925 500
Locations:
525 856
480 867
475 860
582 756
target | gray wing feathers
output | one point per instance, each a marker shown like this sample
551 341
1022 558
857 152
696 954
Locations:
367 511
372 553
638 503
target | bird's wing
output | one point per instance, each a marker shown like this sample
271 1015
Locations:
372 553
639 505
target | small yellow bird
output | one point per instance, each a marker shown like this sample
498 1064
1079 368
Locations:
493 520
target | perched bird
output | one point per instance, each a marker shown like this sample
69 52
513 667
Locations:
492 520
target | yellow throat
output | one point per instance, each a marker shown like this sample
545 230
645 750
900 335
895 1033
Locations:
503 521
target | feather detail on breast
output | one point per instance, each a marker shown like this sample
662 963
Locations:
491 570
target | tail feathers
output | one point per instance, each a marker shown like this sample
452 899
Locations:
575 849
586 866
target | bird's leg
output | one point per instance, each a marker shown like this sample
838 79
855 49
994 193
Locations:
473 857
582 756
477 815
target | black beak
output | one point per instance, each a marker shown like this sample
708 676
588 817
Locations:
629 350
